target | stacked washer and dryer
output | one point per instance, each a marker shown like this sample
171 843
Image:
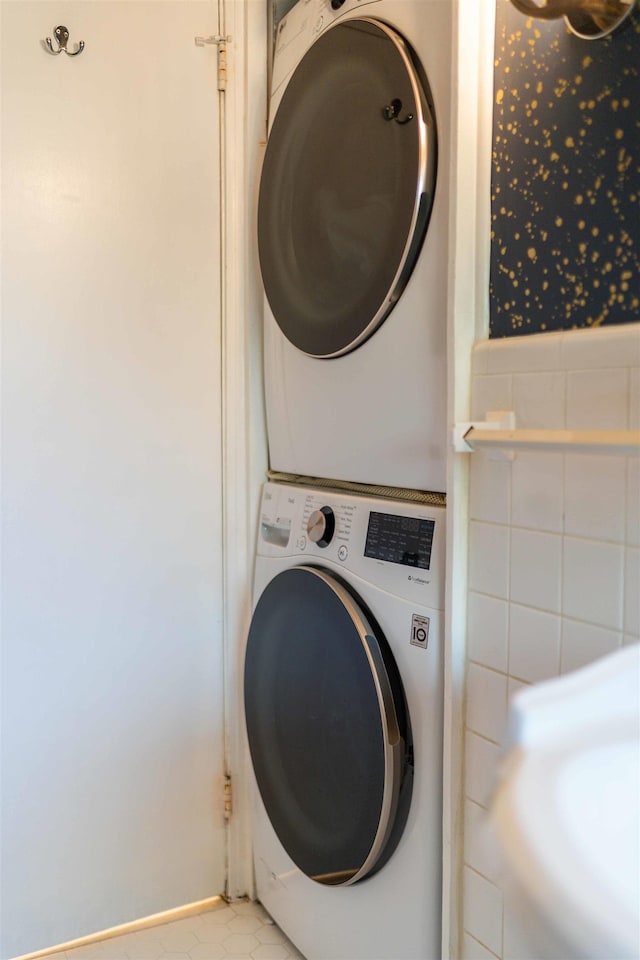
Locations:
344 658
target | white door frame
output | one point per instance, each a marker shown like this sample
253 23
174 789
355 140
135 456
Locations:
244 459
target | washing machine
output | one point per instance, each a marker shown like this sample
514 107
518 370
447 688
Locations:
343 706
353 241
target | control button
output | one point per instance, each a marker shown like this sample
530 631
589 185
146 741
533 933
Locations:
302 543
343 553
319 23
321 526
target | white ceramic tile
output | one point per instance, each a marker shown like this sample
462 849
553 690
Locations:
204 951
539 401
526 354
634 399
584 642
482 759
631 621
486 702
489 558
244 924
536 569
480 850
593 582
614 346
595 497
537 486
270 951
240 943
487 631
222 915
271 934
490 393
534 644
516 946
597 399
250 908
482 910
176 940
514 687
472 950
211 933
480 357
490 489
633 501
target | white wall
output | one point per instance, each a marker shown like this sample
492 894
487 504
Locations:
554 561
112 692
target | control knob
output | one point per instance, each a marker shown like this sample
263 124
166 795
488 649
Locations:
321 526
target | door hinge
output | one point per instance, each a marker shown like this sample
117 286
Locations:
221 43
227 797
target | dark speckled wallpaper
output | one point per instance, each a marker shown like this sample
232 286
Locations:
565 242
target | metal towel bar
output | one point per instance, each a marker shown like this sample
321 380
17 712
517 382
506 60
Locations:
625 443
498 433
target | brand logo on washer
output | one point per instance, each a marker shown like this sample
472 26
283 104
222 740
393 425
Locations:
420 631
417 579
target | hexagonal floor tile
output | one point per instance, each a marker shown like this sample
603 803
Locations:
240 943
208 951
245 924
176 940
270 933
271 951
212 933
221 916
250 907
141 945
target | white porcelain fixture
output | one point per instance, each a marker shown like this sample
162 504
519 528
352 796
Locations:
566 812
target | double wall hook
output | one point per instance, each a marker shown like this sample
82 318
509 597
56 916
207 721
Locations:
62 37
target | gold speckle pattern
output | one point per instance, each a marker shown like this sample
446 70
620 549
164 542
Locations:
565 203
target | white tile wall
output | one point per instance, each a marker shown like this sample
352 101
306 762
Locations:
554 563
472 950
481 762
483 905
537 491
536 562
534 644
488 632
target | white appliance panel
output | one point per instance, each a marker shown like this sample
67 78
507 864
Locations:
377 414
396 912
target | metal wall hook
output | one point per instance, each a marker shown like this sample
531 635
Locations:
62 37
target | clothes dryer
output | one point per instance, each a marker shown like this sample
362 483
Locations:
353 241
343 703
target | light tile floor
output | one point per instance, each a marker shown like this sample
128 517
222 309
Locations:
238 931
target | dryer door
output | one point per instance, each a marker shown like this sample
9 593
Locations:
347 187
327 725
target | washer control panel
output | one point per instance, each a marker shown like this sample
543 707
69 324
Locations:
397 545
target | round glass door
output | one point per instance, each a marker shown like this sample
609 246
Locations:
347 187
327 726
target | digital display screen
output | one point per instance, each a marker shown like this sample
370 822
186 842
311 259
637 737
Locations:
405 540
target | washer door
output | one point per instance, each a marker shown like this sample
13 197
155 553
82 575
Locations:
347 187
327 725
